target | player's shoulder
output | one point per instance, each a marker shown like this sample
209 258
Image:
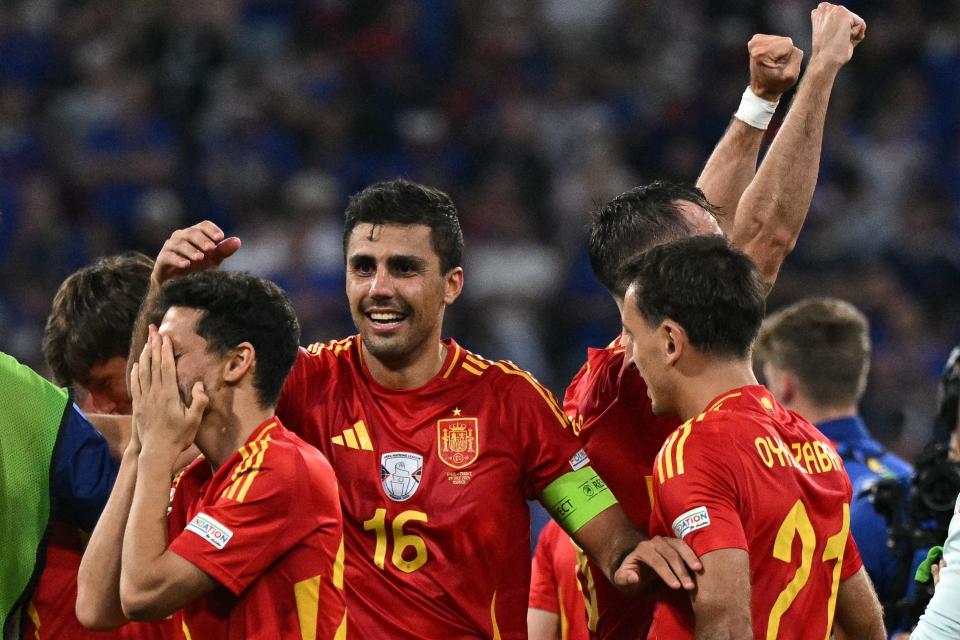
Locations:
599 363
325 358
327 353
474 367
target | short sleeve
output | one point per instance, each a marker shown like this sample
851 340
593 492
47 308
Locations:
544 591
84 472
249 527
696 493
548 446
852 562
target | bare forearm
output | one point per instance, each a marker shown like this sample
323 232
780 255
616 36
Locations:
774 206
98 581
729 170
607 539
145 538
722 630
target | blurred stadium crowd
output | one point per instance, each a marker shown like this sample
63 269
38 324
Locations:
120 121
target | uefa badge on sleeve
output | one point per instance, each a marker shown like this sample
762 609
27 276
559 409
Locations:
400 474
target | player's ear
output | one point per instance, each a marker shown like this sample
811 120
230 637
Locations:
674 339
239 362
453 285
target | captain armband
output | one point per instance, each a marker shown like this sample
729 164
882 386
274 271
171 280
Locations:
575 498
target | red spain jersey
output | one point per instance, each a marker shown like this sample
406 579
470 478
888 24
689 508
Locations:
433 486
51 612
553 581
749 474
611 413
266 526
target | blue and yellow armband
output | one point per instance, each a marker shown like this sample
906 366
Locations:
576 498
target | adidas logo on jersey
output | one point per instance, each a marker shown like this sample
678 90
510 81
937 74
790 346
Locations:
354 438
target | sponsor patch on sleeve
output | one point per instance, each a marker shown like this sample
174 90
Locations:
210 530
691 521
579 460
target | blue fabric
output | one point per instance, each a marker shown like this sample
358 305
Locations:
83 472
866 461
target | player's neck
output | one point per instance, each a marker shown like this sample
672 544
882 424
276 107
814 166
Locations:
816 414
711 382
224 430
415 371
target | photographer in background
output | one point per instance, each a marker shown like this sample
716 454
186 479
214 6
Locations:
941 620
815 356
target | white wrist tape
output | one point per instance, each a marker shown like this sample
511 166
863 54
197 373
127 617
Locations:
755 111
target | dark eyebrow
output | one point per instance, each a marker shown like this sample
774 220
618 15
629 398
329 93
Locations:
361 258
407 262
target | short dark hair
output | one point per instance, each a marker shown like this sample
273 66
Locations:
711 289
239 307
403 202
92 316
636 221
825 342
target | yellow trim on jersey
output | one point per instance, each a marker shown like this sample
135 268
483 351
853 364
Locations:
668 453
672 453
479 363
307 594
544 393
684 434
338 567
493 617
334 346
467 367
453 361
564 623
716 405
649 482
242 476
246 459
590 595
185 629
34 616
254 470
341 633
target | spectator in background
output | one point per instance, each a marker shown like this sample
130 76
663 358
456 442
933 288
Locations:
815 356
941 620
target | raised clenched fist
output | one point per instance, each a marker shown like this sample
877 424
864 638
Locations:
836 31
774 65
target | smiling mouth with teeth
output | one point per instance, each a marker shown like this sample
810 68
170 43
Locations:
386 318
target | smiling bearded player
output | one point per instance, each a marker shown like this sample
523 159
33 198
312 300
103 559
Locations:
436 449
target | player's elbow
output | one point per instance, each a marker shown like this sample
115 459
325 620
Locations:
95 615
729 625
141 603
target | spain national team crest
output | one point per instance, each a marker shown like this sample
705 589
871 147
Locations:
458 441
400 474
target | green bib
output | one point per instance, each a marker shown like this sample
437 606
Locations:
31 412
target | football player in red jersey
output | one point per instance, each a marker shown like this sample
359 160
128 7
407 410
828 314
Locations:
762 214
253 544
555 609
436 449
756 490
